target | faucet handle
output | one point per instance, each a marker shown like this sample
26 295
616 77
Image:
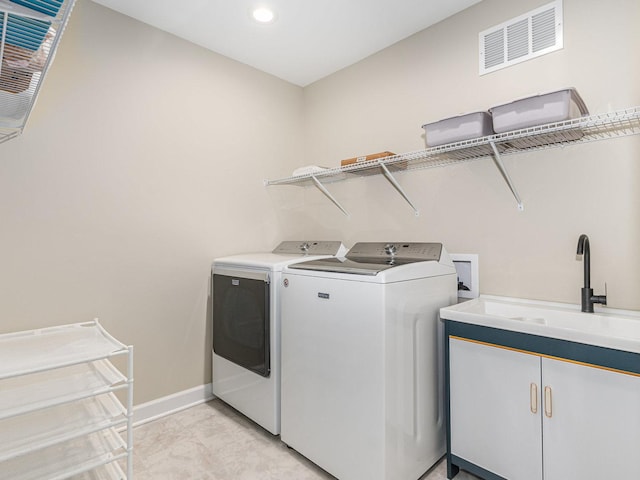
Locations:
601 299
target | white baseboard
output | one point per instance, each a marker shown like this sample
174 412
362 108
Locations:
161 407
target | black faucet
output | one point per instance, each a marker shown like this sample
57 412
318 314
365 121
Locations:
588 298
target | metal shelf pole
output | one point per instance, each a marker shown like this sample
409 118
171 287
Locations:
130 413
328 194
498 161
397 186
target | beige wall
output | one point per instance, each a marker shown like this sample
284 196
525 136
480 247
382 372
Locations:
143 160
380 104
145 155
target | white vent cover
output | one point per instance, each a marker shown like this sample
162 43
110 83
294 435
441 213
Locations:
522 38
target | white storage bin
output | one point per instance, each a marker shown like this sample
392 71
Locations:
538 110
456 129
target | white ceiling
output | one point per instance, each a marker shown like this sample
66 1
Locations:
308 40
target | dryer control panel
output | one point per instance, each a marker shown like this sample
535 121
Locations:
310 247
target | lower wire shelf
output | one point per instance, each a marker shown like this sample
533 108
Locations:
20 395
68 458
25 433
110 471
59 421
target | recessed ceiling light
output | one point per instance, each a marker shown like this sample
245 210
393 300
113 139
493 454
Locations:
263 15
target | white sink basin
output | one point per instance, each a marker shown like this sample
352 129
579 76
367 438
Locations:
619 329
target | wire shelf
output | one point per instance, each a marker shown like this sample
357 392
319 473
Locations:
25 433
7 134
66 459
30 31
58 411
580 130
44 349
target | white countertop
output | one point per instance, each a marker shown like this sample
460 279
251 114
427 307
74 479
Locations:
610 328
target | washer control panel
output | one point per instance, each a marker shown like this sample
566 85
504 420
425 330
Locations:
418 252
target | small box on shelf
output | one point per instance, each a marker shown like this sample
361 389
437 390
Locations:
366 158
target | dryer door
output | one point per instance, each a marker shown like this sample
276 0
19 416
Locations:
241 319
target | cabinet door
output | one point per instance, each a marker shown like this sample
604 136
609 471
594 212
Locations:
495 409
594 429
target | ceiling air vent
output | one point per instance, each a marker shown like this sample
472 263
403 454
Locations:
522 38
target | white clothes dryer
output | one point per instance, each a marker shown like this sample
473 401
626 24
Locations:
362 359
246 326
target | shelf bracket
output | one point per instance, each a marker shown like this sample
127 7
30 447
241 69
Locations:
397 186
327 193
498 161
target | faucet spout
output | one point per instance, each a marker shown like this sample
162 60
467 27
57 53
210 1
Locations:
587 296
584 251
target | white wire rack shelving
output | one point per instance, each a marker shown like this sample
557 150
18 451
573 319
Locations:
59 416
30 31
552 135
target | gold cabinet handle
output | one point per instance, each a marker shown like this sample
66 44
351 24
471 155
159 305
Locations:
533 396
548 403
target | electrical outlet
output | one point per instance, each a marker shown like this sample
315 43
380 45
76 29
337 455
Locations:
468 275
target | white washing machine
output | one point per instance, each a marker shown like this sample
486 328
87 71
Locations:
246 326
362 359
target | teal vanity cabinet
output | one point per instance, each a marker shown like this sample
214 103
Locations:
529 407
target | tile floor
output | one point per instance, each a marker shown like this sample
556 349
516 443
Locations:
212 441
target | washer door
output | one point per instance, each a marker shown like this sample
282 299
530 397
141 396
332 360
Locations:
241 321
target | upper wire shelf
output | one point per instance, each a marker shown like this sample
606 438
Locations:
579 130
55 347
30 31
